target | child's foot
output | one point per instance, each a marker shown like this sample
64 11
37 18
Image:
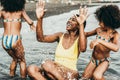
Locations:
13 76
10 76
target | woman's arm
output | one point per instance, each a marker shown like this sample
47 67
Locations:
28 20
82 39
81 19
83 35
39 31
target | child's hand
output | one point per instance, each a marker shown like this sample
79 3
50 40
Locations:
93 44
32 27
40 9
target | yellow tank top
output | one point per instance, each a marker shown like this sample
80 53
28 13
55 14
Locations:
67 57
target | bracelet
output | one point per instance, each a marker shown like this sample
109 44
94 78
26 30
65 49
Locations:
31 24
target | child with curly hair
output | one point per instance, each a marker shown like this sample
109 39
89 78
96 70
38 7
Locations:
12 13
107 40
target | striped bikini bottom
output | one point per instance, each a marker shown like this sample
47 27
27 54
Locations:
9 40
97 62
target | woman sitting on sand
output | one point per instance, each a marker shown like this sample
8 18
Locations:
70 44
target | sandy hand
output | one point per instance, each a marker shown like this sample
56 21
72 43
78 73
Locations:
40 9
83 14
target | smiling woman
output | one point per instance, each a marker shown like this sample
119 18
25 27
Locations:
72 23
70 44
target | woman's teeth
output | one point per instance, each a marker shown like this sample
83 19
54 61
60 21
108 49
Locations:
69 25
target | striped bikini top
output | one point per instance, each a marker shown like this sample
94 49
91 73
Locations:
102 38
12 20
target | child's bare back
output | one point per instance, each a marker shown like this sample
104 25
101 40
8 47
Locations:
12 22
12 14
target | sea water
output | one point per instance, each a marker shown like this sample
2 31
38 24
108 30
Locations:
36 52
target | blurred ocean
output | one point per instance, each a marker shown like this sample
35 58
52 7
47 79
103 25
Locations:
36 52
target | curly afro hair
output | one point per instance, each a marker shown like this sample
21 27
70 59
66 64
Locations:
109 15
13 5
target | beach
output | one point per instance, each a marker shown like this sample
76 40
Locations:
55 21
52 9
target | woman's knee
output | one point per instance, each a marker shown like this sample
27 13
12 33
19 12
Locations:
31 69
46 65
97 76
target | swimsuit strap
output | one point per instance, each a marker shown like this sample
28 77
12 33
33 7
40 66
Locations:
12 20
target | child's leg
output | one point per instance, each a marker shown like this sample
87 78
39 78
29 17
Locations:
88 72
13 65
99 71
23 69
19 52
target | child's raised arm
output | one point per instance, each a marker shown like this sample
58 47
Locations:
91 33
28 20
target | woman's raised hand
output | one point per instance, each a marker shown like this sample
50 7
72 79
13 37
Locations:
83 14
40 9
